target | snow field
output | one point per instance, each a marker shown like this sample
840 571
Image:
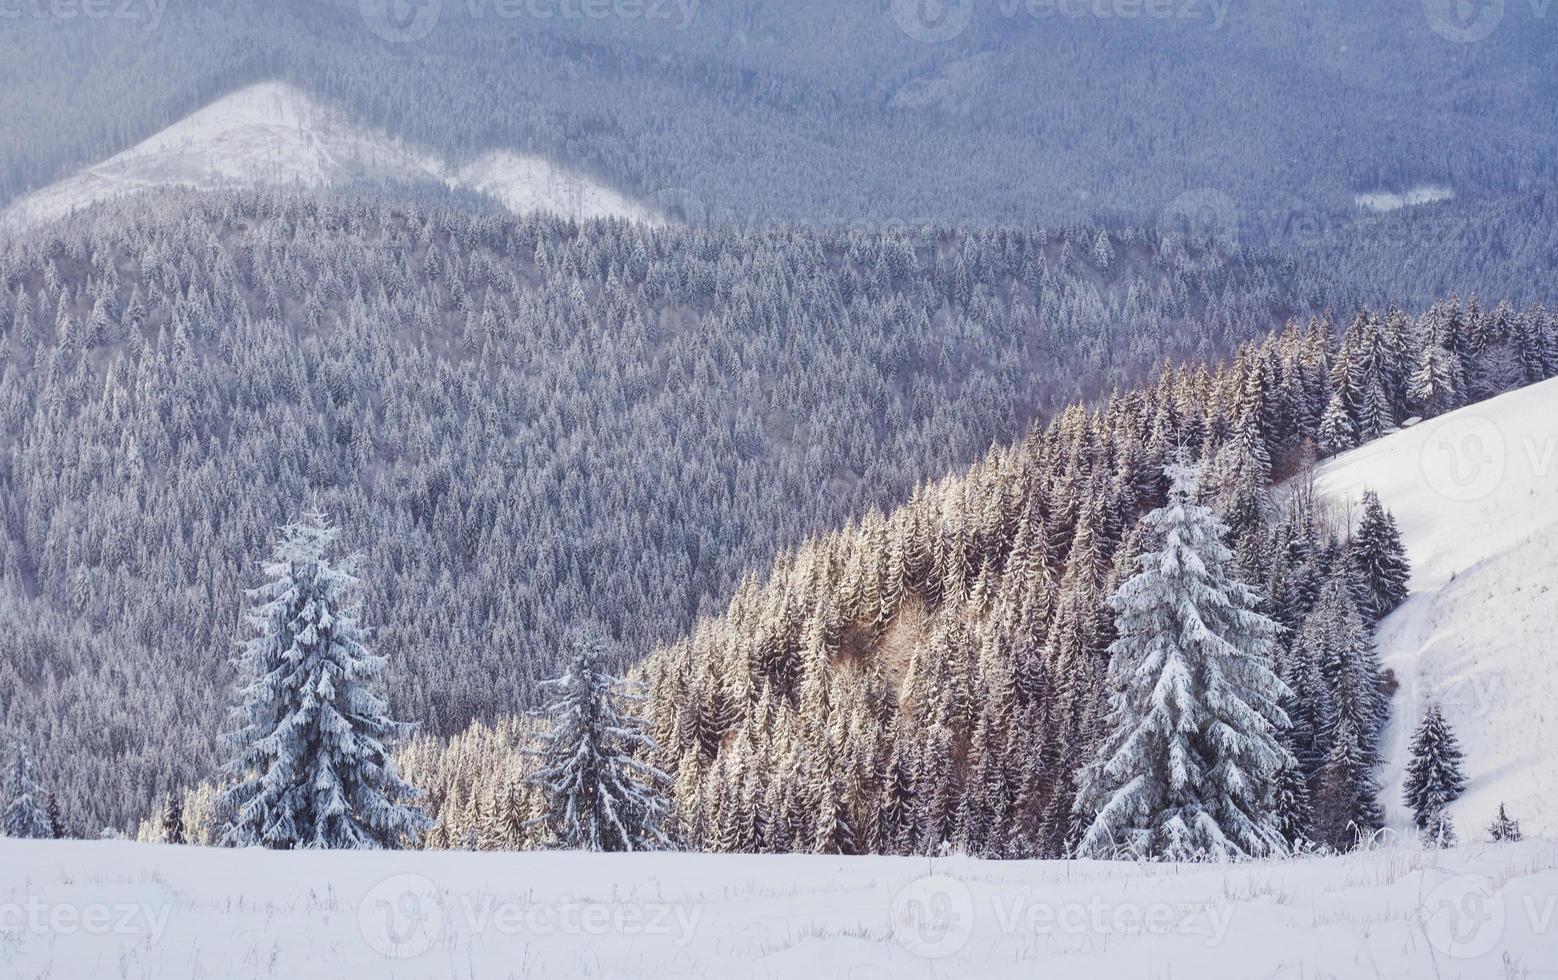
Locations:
114 909
1475 494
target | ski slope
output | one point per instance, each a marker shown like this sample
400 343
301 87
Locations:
1476 496
80 910
272 134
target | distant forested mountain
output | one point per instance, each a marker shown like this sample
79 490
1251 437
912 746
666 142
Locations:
522 425
1261 121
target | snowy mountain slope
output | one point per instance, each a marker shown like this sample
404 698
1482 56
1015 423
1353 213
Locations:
1476 496
275 135
101 909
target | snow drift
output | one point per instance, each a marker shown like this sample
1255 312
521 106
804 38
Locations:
1475 494
272 134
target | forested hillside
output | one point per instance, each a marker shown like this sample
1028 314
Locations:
522 425
934 677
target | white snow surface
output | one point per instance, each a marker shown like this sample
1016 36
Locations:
78 910
1476 496
1395 201
273 134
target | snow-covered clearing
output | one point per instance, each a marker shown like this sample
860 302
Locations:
1476 496
272 134
1393 201
109 909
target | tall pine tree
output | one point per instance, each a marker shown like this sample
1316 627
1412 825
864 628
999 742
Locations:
312 757
1378 560
600 795
24 814
1189 767
1434 777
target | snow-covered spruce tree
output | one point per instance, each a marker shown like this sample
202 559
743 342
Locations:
599 794
1295 813
1378 560
509 820
1437 381
172 820
1503 829
56 819
1346 807
1188 769
312 764
24 814
1349 663
1434 777
1438 831
1338 431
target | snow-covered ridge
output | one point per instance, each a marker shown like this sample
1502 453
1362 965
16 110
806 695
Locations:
1476 496
272 134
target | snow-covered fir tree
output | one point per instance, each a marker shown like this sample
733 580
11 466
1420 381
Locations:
1295 813
1347 807
1434 777
1338 431
172 820
1378 560
57 828
24 815
1438 831
1436 382
600 793
312 764
1189 767
1503 829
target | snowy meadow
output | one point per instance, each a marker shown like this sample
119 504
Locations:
110 909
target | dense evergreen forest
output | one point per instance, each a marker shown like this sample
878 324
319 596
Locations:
521 423
936 677
784 111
